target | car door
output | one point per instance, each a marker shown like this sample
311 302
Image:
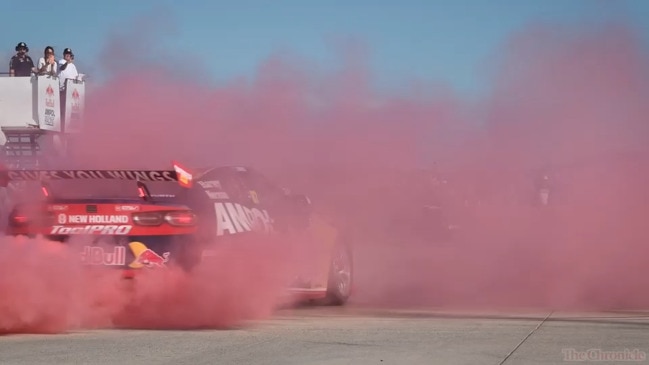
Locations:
218 200
265 197
308 239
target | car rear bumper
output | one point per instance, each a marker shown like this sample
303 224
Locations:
127 252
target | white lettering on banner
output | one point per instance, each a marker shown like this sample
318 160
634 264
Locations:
97 219
165 175
144 175
96 229
234 218
98 256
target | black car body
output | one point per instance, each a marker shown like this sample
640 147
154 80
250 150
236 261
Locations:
231 204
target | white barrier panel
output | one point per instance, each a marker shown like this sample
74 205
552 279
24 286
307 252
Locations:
75 98
17 107
49 103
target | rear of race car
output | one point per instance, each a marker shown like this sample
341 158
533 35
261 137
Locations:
121 235
112 229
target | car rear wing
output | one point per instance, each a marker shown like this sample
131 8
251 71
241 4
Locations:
179 174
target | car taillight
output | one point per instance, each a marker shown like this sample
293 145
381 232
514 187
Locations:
141 192
148 219
182 218
19 219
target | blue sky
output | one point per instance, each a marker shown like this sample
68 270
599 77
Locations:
433 41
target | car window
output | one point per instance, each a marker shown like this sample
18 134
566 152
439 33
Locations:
260 188
223 180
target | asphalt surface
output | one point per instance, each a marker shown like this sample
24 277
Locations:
355 336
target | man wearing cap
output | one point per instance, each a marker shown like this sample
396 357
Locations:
67 70
21 64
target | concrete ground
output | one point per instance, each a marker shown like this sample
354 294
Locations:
357 336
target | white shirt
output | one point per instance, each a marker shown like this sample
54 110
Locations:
41 63
70 72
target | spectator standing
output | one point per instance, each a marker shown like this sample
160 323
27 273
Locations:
21 64
67 70
47 63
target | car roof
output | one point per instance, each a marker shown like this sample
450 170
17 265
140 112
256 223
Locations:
200 172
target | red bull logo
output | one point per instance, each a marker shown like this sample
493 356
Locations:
146 257
92 255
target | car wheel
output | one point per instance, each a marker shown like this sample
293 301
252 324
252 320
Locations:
341 271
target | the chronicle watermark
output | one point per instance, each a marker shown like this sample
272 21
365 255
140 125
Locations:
597 354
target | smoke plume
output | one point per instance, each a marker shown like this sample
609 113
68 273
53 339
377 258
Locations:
568 103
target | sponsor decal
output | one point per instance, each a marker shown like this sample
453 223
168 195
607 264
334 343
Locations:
62 218
163 195
98 256
127 208
253 196
49 93
217 195
212 184
96 219
163 175
73 115
146 257
50 114
48 103
93 229
57 208
76 104
233 218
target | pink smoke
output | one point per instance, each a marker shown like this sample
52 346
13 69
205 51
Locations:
573 105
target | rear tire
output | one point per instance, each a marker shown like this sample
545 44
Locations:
341 274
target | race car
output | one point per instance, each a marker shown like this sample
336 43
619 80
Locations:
157 218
